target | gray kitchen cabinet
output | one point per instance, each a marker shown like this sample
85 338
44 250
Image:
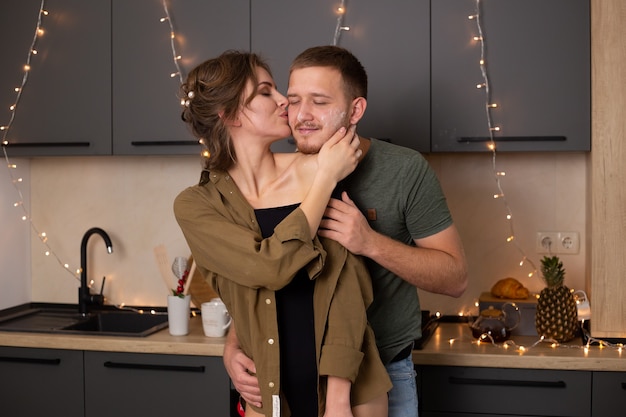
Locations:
41 382
466 391
391 39
146 102
101 83
608 394
538 64
132 384
65 108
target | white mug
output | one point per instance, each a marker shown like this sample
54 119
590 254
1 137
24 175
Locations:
215 318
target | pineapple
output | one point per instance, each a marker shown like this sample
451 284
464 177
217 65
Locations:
557 315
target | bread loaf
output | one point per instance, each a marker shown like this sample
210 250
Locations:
509 288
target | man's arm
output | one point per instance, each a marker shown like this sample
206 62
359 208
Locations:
437 264
241 369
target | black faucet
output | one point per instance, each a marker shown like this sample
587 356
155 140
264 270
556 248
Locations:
85 297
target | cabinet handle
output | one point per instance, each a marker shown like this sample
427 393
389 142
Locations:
624 385
39 361
49 145
152 367
509 383
164 143
467 139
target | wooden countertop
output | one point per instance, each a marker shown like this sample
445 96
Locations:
195 343
462 351
452 344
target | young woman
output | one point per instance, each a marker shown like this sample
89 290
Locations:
299 303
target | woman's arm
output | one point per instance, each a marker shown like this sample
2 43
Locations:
224 238
337 158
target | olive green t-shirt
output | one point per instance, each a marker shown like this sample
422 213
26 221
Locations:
399 193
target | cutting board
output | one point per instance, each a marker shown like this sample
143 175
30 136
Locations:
200 290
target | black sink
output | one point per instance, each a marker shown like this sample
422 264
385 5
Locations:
64 318
119 323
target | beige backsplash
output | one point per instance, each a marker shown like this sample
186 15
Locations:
131 198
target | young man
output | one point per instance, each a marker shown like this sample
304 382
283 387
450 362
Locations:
392 212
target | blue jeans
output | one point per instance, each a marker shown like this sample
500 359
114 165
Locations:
403 395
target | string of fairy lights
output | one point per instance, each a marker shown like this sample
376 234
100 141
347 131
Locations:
339 28
590 341
490 106
5 129
17 181
167 18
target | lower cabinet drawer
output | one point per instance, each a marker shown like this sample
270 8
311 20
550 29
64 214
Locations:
531 392
608 394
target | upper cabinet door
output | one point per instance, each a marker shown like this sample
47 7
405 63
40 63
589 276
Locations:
146 102
391 39
65 108
538 65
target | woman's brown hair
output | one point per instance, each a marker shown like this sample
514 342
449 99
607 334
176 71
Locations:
212 95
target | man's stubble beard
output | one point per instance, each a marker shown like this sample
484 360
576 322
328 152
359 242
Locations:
313 145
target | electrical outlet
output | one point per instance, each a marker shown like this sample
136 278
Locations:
558 242
547 242
569 242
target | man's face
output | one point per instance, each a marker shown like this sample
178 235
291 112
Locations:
317 106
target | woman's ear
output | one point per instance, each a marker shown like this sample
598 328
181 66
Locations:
233 123
358 107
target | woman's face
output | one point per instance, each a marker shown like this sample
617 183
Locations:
266 114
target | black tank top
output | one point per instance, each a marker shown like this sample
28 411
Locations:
296 331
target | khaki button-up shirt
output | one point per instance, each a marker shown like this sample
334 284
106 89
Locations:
226 242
